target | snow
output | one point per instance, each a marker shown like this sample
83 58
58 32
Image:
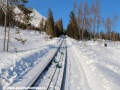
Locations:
75 66
33 73
100 66
15 65
57 78
90 65
36 17
17 10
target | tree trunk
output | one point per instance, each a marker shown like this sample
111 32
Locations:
8 37
5 24
5 32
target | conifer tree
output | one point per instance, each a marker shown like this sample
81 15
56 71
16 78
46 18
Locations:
50 25
42 24
73 30
59 27
57 30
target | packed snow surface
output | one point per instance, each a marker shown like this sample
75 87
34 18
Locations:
93 66
90 65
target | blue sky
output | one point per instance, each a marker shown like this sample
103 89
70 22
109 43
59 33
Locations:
62 8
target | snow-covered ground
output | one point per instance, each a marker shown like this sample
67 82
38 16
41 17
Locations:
15 65
90 65
94 66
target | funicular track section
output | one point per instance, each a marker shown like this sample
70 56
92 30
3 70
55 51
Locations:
52 77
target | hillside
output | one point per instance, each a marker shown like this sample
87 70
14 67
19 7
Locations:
36 17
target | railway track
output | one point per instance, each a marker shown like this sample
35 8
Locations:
48 73
53 76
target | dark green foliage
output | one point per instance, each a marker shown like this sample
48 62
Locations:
26 13
41 25
50 25
2 15
59 27
86 34
45 26
57 30
70 32
24 9
64 32
18 2
10 15
72 29
24 1
21 25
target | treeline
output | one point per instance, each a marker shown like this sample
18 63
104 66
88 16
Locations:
52 28
86 22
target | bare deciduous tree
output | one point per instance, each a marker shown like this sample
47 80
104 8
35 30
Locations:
90 26
115 19
98 25
79 18
86 12
74 7
95 8
108 25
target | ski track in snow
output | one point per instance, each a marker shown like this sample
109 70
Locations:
77 78
102 72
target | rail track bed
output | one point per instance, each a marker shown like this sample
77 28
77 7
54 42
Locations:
49 71
51 78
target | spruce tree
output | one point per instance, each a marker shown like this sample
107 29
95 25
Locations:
50 25
41 25
73 30
59 29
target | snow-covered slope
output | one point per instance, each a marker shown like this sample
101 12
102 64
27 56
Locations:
36 17
17 10
92 66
